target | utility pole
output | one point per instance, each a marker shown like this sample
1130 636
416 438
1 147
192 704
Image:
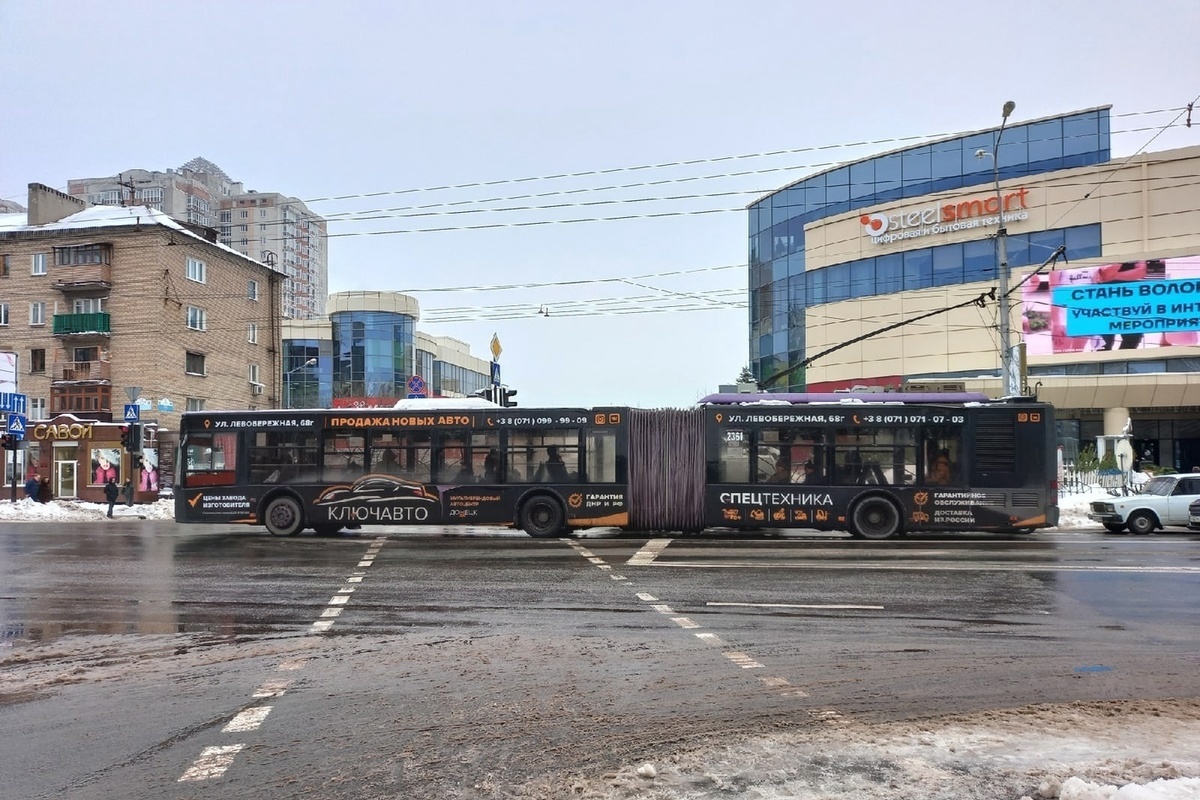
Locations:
127 185
1008 379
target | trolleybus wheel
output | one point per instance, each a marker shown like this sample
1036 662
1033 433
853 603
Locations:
876 518
542 517
284 517
1141 523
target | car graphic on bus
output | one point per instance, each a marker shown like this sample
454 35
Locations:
376 490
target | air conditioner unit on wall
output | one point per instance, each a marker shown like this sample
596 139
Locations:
256 388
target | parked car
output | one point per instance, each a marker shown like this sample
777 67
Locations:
1164 501
1194 515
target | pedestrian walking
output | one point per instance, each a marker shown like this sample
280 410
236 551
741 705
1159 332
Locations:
45 495
110 494
127 492
32 486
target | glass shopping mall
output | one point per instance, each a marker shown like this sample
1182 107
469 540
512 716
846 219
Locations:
1109 334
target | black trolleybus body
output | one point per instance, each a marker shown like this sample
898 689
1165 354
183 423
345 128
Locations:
875 465
422 463
880 465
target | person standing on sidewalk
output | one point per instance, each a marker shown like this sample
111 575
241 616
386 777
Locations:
110 494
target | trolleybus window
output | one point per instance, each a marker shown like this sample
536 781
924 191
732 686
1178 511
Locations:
543 456
791 455
943 456
345 453
404 454
733 456
883 456
283 456
212 459
601 457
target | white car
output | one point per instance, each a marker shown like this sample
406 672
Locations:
1163 502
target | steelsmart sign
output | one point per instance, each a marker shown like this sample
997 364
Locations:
1131 305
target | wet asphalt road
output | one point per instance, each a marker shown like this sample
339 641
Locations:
146 659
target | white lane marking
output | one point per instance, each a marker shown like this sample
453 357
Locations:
271 689
833 606
595 560
742 660
662 609
649 598
710 638
649 552
618 577
354 579
330 612
321 625
247 720
828 715
288 666
684 622
346 590
212 763
339 600
773 681
924 567
366 562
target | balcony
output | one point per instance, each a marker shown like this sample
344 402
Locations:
76 277
81 371
94 324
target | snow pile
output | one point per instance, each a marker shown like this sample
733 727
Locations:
26 510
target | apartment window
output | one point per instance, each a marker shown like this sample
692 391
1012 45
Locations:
39 264
87 305
243 214
4 266
196 403
226 216
262 226
197 318
252 290
3 313
37 360
262 241
254 374
194 364
196 270
262 213
252 333
86 354
83 254
243 228
245 243
37 408
37 313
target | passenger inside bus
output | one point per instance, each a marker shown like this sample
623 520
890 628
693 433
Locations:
556 470
810 473
465 472
491 467
941 470
782 473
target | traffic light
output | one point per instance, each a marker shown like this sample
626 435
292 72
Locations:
487 393
131 437
506 396
9 441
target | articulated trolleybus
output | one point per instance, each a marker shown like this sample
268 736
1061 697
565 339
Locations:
877 466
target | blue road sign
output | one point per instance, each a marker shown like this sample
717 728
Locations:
495 373
133 412
416 386
14 402
16 425
412 396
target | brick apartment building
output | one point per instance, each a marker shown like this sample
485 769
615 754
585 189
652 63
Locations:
94 300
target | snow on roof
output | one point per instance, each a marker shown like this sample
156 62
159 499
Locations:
97 217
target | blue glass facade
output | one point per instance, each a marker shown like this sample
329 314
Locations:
373 354
780 287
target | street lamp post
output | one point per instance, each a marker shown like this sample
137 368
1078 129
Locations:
1007 377
287 376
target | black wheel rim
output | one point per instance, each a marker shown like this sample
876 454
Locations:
875 519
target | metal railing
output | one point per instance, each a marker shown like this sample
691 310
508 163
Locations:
1116 482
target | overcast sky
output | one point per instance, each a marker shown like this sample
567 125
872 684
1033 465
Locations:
325 100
